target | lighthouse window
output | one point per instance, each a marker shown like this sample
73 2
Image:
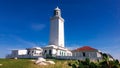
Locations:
56 13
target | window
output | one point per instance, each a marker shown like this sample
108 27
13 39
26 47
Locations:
56 13
28 52
40 53
32 51
50 52
83 54
60 52
45 51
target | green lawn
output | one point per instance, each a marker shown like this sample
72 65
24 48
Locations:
26 63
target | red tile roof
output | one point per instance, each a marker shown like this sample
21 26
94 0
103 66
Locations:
85 48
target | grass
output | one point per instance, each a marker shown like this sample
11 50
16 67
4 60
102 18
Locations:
26 63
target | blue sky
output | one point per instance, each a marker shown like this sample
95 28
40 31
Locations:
26 23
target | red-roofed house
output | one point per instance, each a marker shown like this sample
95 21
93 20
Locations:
86 52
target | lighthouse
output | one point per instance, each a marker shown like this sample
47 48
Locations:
56 46
57 29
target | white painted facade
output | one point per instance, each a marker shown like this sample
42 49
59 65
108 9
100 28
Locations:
86 54
82 55
54 51
57 29
91 54
19 52
56 42
26 53
36 51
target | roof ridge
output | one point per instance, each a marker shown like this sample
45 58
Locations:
85 48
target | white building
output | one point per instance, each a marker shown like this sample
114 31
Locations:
55 51
18 52
26 53
87 52
36 51
56 45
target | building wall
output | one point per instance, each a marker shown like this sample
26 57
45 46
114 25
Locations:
53 32
34 52
61 33
78 58
57 32
22 52
88 54
19 52
57 52
31 53
98 54
54 51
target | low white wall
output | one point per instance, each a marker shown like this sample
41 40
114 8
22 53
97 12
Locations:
77 58
22 56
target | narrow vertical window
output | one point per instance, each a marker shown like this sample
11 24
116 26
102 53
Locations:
83 54
56 13
45 51
50 52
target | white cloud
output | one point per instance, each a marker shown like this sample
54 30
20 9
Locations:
38 27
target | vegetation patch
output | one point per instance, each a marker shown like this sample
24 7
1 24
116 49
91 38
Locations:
26 63
100 64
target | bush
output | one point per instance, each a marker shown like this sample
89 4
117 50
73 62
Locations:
88 64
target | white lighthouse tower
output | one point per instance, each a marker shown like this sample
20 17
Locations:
56 45
57 29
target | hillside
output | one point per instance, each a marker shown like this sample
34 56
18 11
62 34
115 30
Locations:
26 63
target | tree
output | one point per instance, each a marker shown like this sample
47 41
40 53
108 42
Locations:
93 65
87 64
